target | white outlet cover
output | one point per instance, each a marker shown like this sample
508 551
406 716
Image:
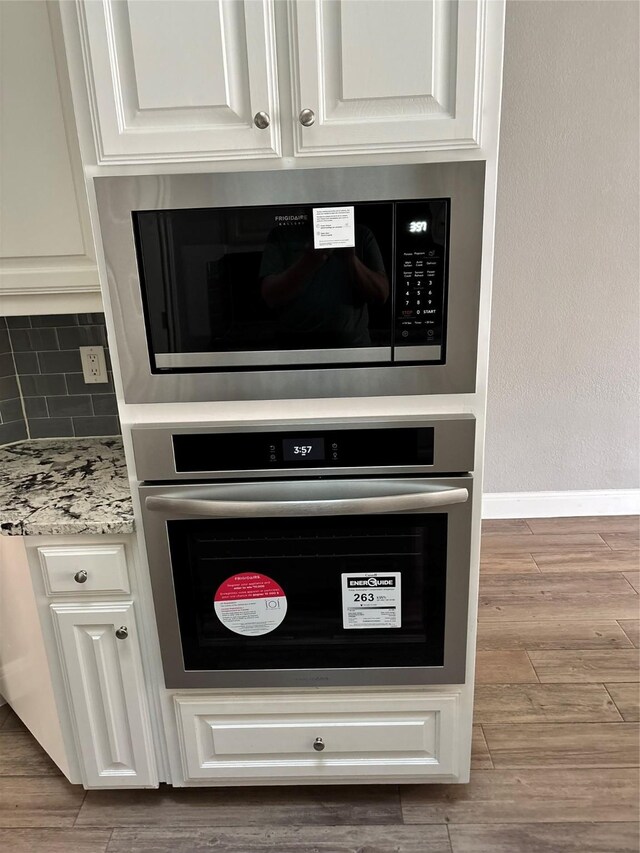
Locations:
94 365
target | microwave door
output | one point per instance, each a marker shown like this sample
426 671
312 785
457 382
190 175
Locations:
238 288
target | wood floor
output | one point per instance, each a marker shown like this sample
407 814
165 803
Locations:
555 764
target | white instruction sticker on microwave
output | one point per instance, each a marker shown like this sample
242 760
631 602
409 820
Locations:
371 600
333 228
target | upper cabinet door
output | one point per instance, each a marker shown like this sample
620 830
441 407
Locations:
180 80
46 250
386 75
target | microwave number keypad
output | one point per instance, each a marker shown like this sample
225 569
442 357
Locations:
419 277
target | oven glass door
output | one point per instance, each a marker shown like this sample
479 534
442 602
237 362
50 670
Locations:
302 582
262 286
296 593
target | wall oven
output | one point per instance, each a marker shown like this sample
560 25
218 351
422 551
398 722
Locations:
332 553
306 283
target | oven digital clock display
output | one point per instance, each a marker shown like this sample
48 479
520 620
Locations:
302 449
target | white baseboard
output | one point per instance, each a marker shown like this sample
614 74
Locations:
560 504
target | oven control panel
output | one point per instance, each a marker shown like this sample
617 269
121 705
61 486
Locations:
436 444
353 448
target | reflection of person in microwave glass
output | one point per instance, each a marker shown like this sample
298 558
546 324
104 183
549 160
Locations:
320 296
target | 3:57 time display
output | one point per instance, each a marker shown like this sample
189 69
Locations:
302 449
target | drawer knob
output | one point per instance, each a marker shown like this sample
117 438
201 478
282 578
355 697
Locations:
81 576
122 633
318 744
307 118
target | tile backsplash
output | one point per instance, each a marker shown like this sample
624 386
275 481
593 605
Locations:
12 423
57 402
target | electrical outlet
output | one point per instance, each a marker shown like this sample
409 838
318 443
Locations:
94 366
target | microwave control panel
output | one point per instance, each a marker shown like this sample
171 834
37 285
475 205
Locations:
421 261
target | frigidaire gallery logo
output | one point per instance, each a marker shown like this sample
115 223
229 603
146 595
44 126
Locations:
290 218
358 582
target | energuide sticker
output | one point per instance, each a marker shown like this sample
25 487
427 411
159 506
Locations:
250 604
333 228
371 600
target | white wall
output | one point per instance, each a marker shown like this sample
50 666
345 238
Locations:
563 385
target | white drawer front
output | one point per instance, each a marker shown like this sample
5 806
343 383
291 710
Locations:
84 570
254 738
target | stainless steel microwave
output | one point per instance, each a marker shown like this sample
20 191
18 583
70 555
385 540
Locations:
288 284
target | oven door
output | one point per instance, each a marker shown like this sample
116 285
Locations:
311 583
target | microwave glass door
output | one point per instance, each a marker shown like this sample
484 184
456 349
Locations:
321 593
255 286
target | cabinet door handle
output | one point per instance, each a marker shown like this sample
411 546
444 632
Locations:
262 120
318 744
81 576
307 118
122 633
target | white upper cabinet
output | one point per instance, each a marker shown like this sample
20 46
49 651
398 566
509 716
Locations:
385 75
180 80
172 81
45 240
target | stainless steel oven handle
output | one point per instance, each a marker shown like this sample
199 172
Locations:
350 506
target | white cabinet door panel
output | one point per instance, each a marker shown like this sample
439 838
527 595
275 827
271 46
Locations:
35 167
180 80
45 240
386 75
193 74
107 693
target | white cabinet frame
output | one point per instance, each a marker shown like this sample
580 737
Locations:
422 85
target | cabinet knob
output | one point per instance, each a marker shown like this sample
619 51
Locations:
81 576
122 633
307 118
261 120
318 744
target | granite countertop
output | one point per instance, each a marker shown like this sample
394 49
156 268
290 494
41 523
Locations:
64 486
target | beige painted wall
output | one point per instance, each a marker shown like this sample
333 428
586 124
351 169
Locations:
563 379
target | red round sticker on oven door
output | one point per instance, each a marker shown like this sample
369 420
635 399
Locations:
250 604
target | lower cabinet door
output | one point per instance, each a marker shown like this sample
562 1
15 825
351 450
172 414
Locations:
333 738
103 672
